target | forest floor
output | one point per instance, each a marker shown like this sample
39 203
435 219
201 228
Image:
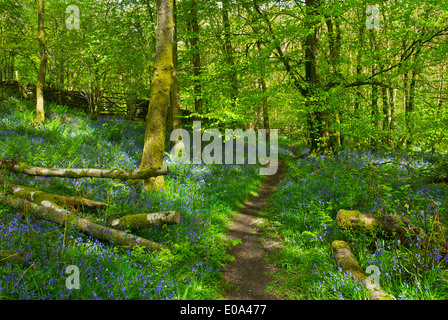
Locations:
247 277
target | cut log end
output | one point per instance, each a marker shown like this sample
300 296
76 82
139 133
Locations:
114 223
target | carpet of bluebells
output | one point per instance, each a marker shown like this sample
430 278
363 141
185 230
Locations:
34 254
304 210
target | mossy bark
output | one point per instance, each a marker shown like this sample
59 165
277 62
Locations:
37 196
397 226
53 213
86 172
40 114
146 220
356 220
195 54
175 103
347 261
154 141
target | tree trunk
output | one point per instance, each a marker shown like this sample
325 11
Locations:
317 119
347 261
175 104
387 115
53 213
196 56
334 31
409 107
409 89
146 220
264 102
36 196
40 113
395 225
374 93
360 46
392 113
154 141
83 173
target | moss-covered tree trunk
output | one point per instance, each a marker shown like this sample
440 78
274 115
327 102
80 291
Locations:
40 114
396 225
347 262
37 196
127 174
154 143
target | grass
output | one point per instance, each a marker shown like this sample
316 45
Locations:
304 210
35 254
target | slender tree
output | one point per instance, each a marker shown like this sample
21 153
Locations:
175 103
40 113
229 54
335 37
196 55
264 102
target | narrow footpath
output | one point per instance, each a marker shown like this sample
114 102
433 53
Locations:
247 276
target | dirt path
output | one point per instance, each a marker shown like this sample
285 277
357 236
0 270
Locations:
246 277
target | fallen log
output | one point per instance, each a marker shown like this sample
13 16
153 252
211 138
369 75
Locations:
146 220
397 226
37 196
346 260
51 212
126 174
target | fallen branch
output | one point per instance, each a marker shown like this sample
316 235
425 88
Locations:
395 225
51 212
392 162
86 172
146 220
37 196
347 261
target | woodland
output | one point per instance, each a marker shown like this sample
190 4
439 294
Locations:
99 101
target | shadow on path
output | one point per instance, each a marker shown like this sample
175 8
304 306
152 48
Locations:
247 276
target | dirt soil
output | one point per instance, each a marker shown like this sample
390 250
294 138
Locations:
247 276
